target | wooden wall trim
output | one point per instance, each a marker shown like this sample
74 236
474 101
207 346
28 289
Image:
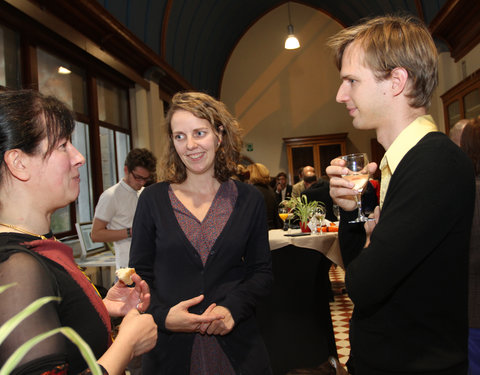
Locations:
78 39
87 25
457 25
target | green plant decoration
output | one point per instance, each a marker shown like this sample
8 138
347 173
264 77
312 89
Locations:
21 351
304 210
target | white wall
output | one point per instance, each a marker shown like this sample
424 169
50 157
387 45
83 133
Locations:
277 93
147 118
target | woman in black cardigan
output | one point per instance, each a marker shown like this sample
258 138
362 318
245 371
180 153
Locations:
200 240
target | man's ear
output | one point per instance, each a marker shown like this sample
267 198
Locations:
17 163
399 78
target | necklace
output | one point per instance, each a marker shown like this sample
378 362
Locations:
24 231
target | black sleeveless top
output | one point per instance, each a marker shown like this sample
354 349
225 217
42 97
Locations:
36 276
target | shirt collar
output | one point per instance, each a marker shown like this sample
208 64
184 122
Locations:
407 139
129 188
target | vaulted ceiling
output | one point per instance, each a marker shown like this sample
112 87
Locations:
185 44
196 38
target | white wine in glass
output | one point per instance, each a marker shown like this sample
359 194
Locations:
357 165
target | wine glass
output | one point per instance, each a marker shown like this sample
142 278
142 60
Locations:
336 211
319 216
357 165
283 212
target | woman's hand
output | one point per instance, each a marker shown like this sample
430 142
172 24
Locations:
139 330
137 335
179 319
121 299
341 190
219 327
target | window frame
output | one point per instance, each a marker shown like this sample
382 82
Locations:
33 35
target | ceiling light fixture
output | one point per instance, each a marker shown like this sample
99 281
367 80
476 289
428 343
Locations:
291 42
63 70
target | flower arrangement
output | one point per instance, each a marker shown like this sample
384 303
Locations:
303 209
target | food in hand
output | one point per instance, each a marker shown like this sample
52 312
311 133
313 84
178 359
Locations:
125 275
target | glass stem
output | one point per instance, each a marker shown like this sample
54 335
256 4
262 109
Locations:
358 198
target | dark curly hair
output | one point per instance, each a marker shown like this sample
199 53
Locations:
141 157
221 121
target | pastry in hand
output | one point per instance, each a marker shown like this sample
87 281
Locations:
125 275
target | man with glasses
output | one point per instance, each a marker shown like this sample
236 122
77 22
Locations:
116 206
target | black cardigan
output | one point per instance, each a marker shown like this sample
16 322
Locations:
237 273
409 286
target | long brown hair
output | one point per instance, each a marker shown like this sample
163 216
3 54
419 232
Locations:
222 123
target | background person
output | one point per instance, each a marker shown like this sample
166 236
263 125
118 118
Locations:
283 191
39 174
457 129
299 187
259 176
201 241
406 275
470 143
116 206
319 190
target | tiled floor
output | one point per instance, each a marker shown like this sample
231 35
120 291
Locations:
341 310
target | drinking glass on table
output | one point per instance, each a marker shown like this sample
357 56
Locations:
284 213
357 165
319 216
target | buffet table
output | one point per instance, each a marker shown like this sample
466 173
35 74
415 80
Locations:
326 243
295 319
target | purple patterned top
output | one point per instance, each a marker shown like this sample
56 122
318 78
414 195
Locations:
207 355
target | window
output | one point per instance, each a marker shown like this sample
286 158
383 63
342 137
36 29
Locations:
102 132
63 80
114 142
68 82
112 104
84 204
9 59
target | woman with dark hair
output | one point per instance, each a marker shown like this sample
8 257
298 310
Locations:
470 143
39 174
201 242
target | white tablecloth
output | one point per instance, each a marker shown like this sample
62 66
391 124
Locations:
326 243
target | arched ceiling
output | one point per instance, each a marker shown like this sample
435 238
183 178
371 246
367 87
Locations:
196 37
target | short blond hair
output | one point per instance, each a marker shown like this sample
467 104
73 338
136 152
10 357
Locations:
391 42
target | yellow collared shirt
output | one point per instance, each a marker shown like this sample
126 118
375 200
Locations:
405 141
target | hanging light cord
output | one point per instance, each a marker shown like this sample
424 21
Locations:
289 19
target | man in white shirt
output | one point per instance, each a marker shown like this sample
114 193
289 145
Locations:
116 206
